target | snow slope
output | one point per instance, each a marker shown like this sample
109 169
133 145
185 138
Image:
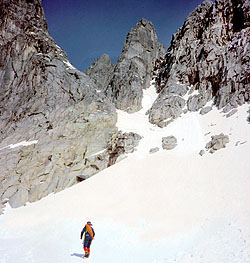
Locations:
170 206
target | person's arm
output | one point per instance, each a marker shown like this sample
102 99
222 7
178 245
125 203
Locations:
84 229
93 231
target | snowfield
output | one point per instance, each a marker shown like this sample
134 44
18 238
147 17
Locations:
168 207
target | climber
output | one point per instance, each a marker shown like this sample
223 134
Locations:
89 234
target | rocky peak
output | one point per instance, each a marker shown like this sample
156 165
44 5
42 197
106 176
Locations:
100 71
133 70
208 54
143 33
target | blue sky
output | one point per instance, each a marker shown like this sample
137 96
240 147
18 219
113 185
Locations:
86 29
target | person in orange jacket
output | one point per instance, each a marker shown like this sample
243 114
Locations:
89 234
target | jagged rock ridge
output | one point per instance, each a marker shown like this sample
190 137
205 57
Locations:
210 54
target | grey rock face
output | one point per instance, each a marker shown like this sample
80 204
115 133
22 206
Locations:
35 74
231 113
165 111
133 70
169 142
100 71
210 54
205 110
196 102
44 98
118 146
59 156
122 143
217 142
116 149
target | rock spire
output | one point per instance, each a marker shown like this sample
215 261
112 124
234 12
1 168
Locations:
133 70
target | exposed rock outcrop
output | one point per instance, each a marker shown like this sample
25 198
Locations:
54 162
217 142
231 113
209 54
118 146
133 70
205 110
100 71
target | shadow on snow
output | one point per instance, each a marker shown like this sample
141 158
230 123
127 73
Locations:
77 255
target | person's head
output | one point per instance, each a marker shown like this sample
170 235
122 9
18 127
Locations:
89 223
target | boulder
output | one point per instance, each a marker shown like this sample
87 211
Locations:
202 152
165 111
217 142
169 142
154 150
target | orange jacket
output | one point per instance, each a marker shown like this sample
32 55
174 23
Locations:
90 230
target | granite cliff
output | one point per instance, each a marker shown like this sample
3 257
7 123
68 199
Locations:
208 59
45 99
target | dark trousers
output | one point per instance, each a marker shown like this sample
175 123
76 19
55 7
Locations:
87 241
